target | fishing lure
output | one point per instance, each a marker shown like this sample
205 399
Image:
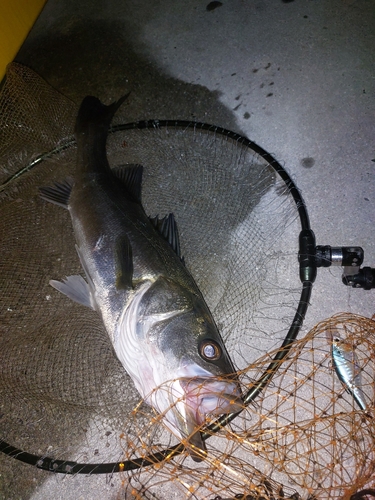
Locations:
346 367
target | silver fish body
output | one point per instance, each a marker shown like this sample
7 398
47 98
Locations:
346 367
160 326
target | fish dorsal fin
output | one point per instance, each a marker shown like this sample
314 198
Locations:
124 263
131 177
59 193
167 227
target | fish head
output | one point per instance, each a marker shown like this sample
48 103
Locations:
190 359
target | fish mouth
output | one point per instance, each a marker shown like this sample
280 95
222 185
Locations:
207 396
214 396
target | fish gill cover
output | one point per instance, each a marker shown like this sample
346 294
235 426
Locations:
64 394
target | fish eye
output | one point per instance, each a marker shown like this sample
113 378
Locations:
210 350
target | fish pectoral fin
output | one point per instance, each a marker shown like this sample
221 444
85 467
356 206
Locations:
124 263
76 288
167 228
59 193
131 176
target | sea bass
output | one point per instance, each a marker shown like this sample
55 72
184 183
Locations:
346 367
161 328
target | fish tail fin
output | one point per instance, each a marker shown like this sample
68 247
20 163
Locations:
94 112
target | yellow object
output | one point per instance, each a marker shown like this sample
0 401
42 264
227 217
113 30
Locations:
16 19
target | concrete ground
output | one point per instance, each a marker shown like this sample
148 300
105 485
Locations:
297 77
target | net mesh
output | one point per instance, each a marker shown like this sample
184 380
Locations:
64 394
304 435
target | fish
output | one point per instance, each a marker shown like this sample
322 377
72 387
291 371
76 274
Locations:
346 367
160 326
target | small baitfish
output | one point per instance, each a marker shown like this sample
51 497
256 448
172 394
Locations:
346 367
160 326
